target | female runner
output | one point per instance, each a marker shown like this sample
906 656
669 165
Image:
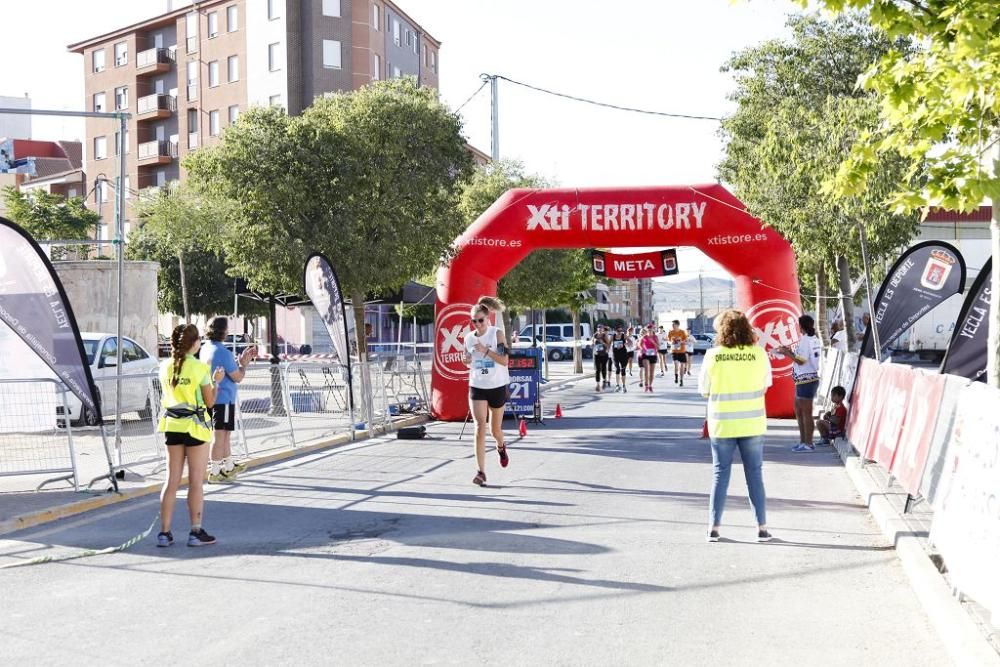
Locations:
486 356
649 347
621 357
601 344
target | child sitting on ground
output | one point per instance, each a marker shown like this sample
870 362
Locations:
831 425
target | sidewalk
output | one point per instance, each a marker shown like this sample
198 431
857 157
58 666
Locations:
588 550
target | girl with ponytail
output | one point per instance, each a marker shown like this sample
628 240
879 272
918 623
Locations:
486 356
189 389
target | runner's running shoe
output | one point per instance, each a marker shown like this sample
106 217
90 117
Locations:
479 479
231 474
164 539
199 538
504 459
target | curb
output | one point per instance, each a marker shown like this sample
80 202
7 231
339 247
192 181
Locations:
45 516
964 641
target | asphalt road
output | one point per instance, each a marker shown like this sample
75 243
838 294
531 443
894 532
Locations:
588 550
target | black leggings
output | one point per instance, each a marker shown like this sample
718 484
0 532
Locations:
601 367
621 363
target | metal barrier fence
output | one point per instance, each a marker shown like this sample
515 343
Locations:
35 435
278 406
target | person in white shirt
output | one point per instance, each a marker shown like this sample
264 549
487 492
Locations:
805 373
489 380
838 337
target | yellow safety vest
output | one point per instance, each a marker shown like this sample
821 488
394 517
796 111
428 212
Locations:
736 391
185 397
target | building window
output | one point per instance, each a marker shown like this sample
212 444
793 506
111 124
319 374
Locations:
117 137
272 9
213 74
101 192
100 148
274 56
100 102
121 54
416 51
232 18
376 18
213 123
213 24
331 7
233 66
395 72
274 101
191 29
377 68
161 177
234 113
98 60
395 32
121 98
434 61
331 54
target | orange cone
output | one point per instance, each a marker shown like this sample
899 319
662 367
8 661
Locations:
523 428
558 411
704 429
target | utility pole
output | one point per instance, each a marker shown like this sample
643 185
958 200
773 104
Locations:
495 110
701 303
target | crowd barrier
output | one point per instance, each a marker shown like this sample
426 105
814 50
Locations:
278 406
938 436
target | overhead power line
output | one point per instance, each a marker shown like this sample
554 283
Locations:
606 105
472 96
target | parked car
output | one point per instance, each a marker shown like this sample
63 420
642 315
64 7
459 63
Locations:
240 342
557 348
162 346
102 355
702 342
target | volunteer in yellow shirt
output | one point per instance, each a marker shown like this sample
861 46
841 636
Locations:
189 389
734 377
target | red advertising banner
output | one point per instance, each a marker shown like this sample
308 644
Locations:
864 403
918 431
642 265
893 400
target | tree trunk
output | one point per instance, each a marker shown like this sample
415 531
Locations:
846 299
508 327
822 321
184 289
577 343
993 346
545 344
364 372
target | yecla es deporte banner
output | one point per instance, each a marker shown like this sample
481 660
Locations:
926 274
966 355
642 265
323 288
34 305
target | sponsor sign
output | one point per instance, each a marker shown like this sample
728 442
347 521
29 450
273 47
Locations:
635 216
914 445
966 355
966 525
524 366
450 326
776 323
34 305
323 288
926 275
864 404
642 265
893 399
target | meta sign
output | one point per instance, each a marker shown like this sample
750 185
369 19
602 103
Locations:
642 265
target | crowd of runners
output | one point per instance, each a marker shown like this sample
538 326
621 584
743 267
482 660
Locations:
625 352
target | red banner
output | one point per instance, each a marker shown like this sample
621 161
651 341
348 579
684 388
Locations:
893 400
642 265
864 403
918 431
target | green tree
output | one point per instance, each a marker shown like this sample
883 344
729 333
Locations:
939 105
179 221
49 216
369 177
798 112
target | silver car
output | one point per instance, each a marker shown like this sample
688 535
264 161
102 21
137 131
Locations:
138 393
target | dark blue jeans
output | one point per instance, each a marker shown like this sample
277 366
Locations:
752 454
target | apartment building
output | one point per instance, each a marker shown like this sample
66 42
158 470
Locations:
188 73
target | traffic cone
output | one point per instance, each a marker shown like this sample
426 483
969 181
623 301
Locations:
704 429
523 428
558 411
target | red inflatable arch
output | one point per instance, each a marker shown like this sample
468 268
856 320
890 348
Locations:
707 217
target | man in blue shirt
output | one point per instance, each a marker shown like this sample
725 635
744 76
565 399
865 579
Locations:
221 466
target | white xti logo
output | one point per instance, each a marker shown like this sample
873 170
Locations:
451 342
548 217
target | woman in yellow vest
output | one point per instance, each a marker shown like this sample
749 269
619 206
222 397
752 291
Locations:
734 377
188 392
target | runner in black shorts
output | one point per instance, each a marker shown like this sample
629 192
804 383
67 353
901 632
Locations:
620 354
601 344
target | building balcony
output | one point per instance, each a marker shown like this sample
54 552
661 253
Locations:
153 61
157 152
157 105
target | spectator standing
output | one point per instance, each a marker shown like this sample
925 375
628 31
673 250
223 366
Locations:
805 372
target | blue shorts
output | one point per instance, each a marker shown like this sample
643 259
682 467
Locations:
807 390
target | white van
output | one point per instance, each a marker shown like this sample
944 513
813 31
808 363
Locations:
562 330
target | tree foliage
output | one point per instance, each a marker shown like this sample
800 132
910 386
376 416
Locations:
369 177
49 216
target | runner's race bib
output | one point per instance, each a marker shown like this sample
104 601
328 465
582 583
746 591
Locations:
483 365
619 344
649 352
599 348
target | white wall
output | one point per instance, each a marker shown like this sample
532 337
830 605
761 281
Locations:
261 31
15 127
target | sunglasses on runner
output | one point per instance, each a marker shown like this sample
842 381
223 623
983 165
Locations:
478 320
